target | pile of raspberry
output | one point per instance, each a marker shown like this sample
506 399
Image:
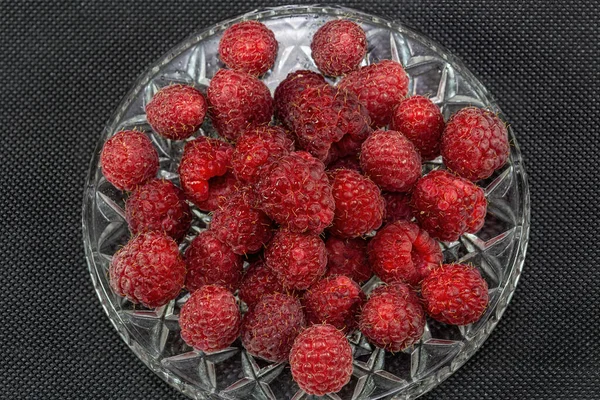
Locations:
313 192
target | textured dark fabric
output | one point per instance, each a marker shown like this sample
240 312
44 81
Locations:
64 68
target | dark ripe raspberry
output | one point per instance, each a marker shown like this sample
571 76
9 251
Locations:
269 328
349 162
298 259
148 270
348 257
391 161
128 159
397 207
338 47
295 193
257 282
321 360
475 143
289 89
248 46
210 319
380 87
359 206
236 101
176 111
158 205
447 206
455 294
402 252
210 261
203 158
219 190
422 123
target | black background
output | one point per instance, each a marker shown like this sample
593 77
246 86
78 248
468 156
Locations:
65 66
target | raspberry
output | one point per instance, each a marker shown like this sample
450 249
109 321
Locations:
203 158
392 318
248 46
295 193
219 189
148 270
237 100
289 89
397 207
401 251
422 123
359 206
158 205
298 259
210 261
380 87
176 111
391 161
335 300
349 162
338 47
348 257
475 143
455 294
128 159
257 147
447 206
257 282
210 319
242 227
321 360
269 329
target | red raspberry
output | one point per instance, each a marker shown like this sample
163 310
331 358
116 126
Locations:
338 47
321 360
447 206
248 46
298 259
455 294
148 270
380 87
335 300
176 111
257 147
348 257
397 207
128 159
294 192
203 158
475 143
239 225
158 205
219 190
269 329
401 289
210 261
401 251
422 123
257 282
287 91
349 162
237 100
393 318
359 206
210 319
391 161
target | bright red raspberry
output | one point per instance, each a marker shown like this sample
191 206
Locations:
338 47
447 206
210 319
236 101
148 270
298 259
176 111
210 261
128 159
219 190
269 328
392 318
203 158
359 206
391 161
475 143
258 281
348 257
455 294
380 87
321 360
422 123
295 193
397 207
248 46
349 162
291 87
402 252
158 205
